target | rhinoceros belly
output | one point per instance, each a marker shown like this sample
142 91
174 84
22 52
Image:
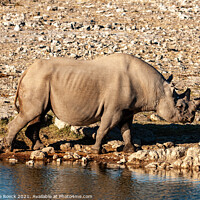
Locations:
77 101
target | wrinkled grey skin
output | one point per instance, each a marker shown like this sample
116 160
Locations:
110 89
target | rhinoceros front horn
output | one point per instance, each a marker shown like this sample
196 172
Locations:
197 103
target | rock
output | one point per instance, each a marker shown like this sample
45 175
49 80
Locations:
69 155
177 164
140 155
17 28
48 150
193 152
66 146
148 39
13 161
60 124
75 129
161 154
192 159
58 161
187 163
168 144
115 143
175 153
78 147
162 165
37 155
55 156
152 165
84 159
122 161
30 163
76 156
153 155
155 117
160 145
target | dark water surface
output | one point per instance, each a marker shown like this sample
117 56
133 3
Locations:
74 181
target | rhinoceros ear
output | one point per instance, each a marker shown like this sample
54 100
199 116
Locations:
170 78
185 95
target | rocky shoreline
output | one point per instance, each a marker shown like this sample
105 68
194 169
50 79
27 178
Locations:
166 158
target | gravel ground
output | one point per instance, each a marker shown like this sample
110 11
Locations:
164 34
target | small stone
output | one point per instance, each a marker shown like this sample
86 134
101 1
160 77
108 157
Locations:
38 155
58 160
48 8
177 164
68 156
168 144
55 156
75 129
13 161
48 150
77 147
153 155
122 161
155 117
152 165
84 159
163 165
30 163
60 124
187 164
140 155
175 153
17 28
65 147
76 156
160 145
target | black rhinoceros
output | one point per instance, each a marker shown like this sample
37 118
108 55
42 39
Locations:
109 89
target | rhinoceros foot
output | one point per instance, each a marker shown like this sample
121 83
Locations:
38 145
98 151
129 148
5 147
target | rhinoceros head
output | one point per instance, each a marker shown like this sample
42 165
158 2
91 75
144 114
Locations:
176 107
186 107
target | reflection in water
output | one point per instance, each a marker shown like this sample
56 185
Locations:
97 181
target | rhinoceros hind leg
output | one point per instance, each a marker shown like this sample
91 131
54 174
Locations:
13 128
32 132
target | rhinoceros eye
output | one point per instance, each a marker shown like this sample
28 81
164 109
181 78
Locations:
179 106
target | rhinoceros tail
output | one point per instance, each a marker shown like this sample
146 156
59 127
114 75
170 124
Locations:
17 92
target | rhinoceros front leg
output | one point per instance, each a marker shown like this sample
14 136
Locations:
126 134
108 121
